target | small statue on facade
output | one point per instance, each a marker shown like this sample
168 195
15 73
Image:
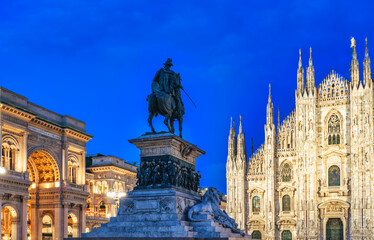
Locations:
165 99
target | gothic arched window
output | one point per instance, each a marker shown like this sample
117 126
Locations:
334 176
286 203
256 205
286 172
334 130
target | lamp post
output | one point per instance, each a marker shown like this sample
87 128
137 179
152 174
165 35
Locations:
2 170
116 196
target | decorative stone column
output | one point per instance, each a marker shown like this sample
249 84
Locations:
1 209
24 152
82 219
58 222
65 159
24 217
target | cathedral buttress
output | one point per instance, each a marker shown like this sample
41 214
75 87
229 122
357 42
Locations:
270 194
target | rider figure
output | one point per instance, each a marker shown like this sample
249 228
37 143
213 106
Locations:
167 82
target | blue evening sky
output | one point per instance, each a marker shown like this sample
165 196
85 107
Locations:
95 60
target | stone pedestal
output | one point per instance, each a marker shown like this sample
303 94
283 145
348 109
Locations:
158 206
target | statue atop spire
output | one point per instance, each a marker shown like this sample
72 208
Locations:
354 66
353 42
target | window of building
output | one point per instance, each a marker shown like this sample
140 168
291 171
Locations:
8 157
334 130
286 235
72 169
256 235
286 203
286 172
256 204
99 188
334 176
105 187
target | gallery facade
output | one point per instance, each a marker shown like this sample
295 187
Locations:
46 191
108 178
313 178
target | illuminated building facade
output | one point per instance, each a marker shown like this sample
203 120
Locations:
313 177
108 178
42 171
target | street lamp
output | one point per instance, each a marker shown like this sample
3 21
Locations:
2 170
116 196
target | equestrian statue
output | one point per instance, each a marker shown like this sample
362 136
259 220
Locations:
165 99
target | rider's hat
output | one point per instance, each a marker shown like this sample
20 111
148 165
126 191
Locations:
168 62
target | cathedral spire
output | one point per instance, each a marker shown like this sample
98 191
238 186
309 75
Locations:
354 66
241 142
232 139
367 68
310 79
269 109
240 125
300 76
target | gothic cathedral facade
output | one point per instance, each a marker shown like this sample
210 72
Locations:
313 178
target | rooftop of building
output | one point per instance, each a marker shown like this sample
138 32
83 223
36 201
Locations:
22 103
98 160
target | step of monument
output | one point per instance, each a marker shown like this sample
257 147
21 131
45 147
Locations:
141 234
205 224
146 217
147 223
206 234
151 229
230 235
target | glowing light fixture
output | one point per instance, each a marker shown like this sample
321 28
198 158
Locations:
2 170
116 195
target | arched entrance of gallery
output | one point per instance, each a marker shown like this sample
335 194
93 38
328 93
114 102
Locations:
44 175
72 225
8 223
47 228
334 229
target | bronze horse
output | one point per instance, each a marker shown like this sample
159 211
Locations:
167 106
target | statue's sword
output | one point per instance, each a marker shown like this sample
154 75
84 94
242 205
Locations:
189 98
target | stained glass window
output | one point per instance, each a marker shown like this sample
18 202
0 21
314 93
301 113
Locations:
334 176
286 203
256 205
286 172
334 130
